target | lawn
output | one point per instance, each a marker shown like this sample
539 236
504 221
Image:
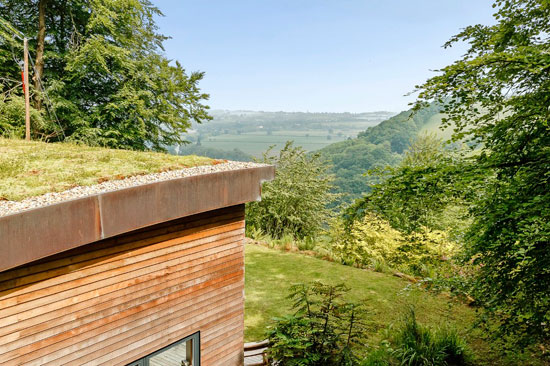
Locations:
270 272
32 168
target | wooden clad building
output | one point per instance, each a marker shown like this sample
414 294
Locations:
148 275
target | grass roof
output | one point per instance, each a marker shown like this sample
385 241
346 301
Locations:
30 169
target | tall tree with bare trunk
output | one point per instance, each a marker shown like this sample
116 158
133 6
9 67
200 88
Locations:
40 39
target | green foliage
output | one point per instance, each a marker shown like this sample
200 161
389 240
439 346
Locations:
372 242
325 330
295 202
497 96
106 75
268 273
377 147
368 241
351 159
426 189
426 249
12 117
379 357
400 129
415 345
404 222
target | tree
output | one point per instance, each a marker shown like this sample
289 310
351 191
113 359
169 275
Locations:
40 41
425 189
101 62
498 96
295 202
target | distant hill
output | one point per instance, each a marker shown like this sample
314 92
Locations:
253 132
377 146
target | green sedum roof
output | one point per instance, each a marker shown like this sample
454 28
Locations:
30 169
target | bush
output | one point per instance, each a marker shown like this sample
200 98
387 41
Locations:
12 117
368 241
325 330
425 249
456 350
415 345
295 202
372 242
425 189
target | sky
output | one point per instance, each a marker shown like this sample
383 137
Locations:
315 55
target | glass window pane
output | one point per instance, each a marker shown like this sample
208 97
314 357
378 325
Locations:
180 354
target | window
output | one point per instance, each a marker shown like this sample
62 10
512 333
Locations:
185 352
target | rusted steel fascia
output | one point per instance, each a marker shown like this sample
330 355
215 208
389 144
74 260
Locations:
34 234
129 209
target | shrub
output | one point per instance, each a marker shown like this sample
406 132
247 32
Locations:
455 348
12 117
296 200
425 249
372 242
325 330
368 240
415 345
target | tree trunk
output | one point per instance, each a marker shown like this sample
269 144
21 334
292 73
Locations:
40 40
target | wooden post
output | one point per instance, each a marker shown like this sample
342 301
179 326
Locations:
26 86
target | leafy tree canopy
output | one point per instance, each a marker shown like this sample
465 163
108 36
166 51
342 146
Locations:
498 95
376 147
427 188
102 64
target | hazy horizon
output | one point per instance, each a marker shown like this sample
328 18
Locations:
297 111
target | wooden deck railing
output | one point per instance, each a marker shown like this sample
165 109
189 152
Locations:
255 353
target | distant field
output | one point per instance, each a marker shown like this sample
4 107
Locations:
254 132
255 143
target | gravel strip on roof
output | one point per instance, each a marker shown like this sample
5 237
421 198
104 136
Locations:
11 207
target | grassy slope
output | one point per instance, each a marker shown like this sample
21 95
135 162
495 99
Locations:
32 168
270 272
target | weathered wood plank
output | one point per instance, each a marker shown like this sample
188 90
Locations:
140 258
171 282
41 331
117 300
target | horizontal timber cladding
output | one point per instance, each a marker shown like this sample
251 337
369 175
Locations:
117 300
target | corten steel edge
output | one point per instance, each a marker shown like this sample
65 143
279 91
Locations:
37 233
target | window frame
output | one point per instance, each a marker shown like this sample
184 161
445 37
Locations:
195 337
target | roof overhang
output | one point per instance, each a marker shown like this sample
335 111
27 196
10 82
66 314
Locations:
37 233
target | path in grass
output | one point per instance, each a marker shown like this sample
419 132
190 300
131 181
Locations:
269 273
